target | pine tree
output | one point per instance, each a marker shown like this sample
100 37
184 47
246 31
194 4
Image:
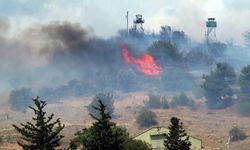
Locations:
177 138
102 135
218 86
42 134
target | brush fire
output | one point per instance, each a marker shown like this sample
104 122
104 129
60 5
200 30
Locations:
145 64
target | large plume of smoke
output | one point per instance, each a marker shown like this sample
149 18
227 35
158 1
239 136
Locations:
62 59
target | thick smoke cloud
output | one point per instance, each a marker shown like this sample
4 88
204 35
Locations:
60 60
26 54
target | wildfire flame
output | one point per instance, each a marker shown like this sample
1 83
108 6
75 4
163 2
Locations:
145 64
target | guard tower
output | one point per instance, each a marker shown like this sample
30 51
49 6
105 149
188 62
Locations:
138 24
210 33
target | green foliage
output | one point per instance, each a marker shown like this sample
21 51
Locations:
183 100
106 100
244 94
132 144
164 52
236 134
218 86
1 139
43 134
102 135
146 118
156 101
20 99
244 84
177 138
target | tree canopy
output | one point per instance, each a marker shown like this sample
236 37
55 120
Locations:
177 138
43 134
106 99
218 86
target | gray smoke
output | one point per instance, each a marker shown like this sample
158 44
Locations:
62 60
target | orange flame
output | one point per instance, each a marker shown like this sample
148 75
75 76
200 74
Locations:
145 64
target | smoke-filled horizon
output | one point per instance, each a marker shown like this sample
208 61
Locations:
63 59
106 17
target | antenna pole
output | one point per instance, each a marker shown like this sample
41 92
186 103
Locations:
127 23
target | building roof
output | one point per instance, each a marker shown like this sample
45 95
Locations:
155 136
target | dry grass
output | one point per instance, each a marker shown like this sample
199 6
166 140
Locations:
210 126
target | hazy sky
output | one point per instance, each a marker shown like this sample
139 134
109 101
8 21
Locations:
105 17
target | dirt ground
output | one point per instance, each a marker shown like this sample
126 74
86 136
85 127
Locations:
209 125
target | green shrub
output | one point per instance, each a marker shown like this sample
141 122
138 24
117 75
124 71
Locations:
132 144
156 102
146 118
183 100
236 134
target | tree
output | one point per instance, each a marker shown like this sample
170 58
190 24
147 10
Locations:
244 84
106 100
154 101
183 100
102 135
20 99
218 86
177 138
236 134
42 134
165 52
146 118
244 88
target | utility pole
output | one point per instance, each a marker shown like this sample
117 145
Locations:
127 23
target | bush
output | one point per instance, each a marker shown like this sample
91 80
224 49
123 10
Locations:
146 118
107 100
236 134
156 102
183 100
132 144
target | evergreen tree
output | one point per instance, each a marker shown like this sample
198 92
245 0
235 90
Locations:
244 94
42 134
106 100
177 138
102 135
218 86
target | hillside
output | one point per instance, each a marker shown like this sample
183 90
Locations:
209 125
